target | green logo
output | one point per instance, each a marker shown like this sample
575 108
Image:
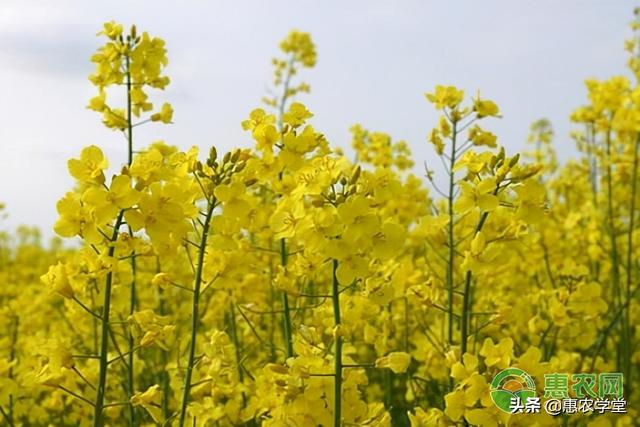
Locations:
510 387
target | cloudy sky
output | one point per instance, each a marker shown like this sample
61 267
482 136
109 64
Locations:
376 59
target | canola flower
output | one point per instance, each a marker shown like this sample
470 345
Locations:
287 285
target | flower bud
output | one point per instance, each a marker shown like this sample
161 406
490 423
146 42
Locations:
356 175
235 156
278 369
239 167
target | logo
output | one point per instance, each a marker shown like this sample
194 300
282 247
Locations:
514 391
512 385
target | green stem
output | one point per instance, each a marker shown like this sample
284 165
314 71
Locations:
130 371
607 331
466 297
132 297
12 356
337 357
388 374
288 338
236 340
285 91
617 291
632 215
164 376
129 114
272 315
95 320
450 263
6 417
236 345
593 163
195 312
611 223
98 420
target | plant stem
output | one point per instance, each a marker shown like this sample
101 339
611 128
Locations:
129 111
283 246
130 371
132 297
236 346
285 91
450 263
12 356
388 374
288 338
164 376
195 311
593 163
617 291
611 225
6 417
272 315
337 357
632 215
98 420
466 297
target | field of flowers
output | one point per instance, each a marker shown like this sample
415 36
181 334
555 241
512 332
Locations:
289 285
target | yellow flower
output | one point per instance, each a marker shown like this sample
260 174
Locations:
445 96
150 400
462 370
486 417
162 280
498 355
105 204
529 362
455 405
481 137
56 278
351 265
114 118
531 196
90 167
112 30
477 196
389 241
436 140
358 219
286 220
258 117
164 115
97 103
297 115
163 211
299 44
76 219
232 198
397 361
46 376
266 136
432 417
485 108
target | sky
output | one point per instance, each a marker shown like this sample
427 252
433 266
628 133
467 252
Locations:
376 59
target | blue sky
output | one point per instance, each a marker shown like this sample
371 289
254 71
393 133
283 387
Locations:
376 59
